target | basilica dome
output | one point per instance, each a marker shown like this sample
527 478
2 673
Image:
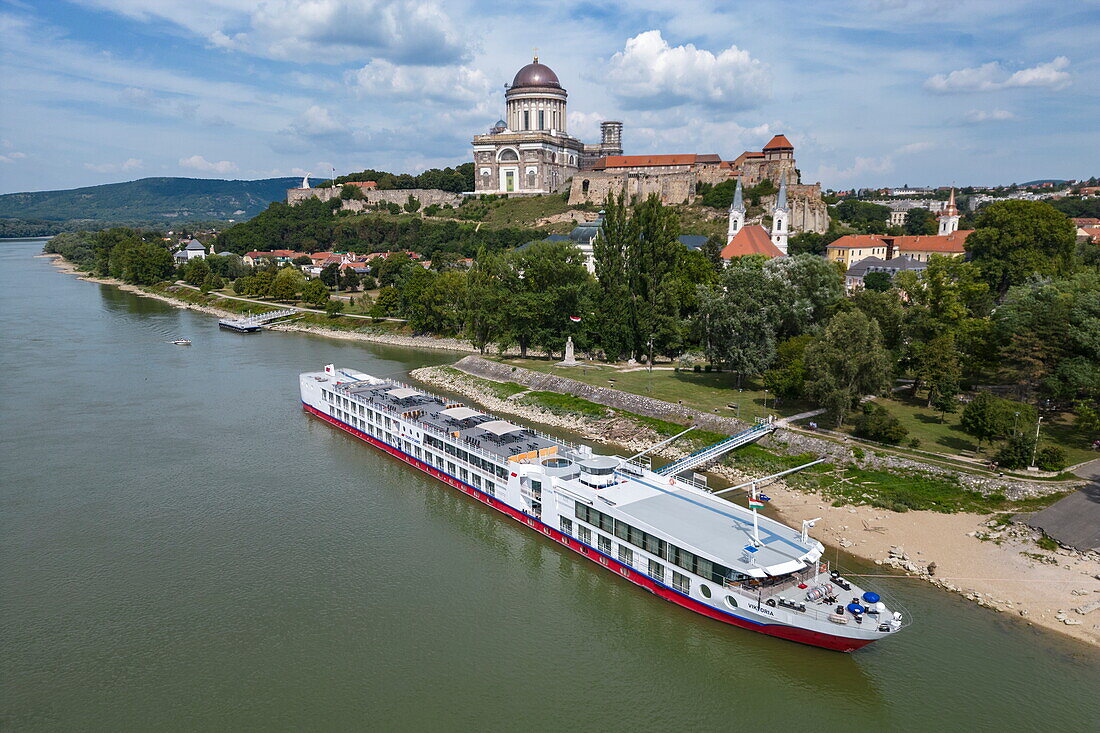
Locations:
536 75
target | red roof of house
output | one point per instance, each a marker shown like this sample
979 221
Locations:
858 240
751 240
641 161
1085 221
948 243
1093 233
363 184
275 253
779 141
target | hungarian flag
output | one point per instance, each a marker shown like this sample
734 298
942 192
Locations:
575 319
756 504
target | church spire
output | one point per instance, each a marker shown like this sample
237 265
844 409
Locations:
737 213
781 219
949 219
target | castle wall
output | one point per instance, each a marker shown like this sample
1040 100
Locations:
808 212
426 197
594 186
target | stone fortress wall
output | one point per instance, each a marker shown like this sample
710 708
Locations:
371 197
594 186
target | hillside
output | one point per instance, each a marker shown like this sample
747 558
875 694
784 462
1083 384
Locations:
150 201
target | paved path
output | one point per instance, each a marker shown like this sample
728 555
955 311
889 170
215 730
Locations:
1075 520
295 307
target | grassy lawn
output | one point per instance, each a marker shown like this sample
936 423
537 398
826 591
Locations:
948 438
524 211
701 391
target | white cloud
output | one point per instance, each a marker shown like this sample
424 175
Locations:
651 74
992 76
993 115
335 31
127 165
918 147
199 163
442 84
585 125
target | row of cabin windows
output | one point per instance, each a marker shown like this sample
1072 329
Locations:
466 456
654 569
689 561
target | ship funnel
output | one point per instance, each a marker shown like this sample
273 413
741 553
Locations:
330 368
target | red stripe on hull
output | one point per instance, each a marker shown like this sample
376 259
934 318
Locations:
791 633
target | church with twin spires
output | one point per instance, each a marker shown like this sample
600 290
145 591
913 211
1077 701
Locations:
754 239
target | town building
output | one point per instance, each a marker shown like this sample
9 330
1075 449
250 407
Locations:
192 250
851 248
853 277
532 152
278 256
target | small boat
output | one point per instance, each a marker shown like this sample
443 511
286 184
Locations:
181 342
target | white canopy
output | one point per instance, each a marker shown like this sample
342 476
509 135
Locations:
499 427
460 413
402 392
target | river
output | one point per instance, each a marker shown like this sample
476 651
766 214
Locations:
182 548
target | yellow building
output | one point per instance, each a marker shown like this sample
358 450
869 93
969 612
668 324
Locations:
852 248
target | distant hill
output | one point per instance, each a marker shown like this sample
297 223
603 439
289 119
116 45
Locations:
1041 181
149 201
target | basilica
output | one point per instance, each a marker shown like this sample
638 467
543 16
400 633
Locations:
530 151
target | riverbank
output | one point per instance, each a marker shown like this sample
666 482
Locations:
998 566
390 339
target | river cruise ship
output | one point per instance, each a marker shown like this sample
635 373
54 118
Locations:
665 534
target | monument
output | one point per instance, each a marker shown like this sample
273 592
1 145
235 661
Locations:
569 359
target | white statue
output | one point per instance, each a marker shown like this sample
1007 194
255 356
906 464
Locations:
570 359
305 181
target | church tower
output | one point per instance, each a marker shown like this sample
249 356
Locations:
949 219
781 219
737 213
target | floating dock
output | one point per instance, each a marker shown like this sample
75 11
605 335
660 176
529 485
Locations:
254 323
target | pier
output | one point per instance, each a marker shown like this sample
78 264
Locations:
255 323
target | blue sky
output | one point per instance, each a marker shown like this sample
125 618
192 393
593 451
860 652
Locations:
871 92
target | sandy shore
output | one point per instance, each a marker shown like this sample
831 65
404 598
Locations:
984 564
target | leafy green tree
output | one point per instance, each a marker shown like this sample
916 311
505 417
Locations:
287 284
303 260
712 250
349 280
1016 451
846 363
740 318
940 371
787 377
196 271
412 205
988 418
920 221
876 423
351 193
650 261
1050 458
610 253
878 281
1015 240
388 302
807 243
334 308
487 291
315 293
552 288
212 282
811 287
330 275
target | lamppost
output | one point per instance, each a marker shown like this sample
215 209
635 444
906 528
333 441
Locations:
1035 448
1015 420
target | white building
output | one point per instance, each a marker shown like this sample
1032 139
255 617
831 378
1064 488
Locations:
193 250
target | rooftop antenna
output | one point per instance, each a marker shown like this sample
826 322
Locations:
536 55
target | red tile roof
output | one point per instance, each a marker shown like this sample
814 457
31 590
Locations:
363 184
751 240
858 240
948 243
1085 221
779 141
641 161
1093 233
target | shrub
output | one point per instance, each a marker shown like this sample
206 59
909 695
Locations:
334 308
914 442
697 369
876 423
1050 458
707 368
1016 452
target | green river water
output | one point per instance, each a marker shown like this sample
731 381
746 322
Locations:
182 548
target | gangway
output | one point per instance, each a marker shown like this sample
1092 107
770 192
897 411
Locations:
713 453
253 323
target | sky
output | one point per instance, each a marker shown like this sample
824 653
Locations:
871 92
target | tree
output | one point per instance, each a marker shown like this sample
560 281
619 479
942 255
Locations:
196 271
712 250
787 377
487 289
333 308
920 221
610 252
740 318
303 260
807 243
876 423
315 293
212 282
878 281
287 284
811 287
349 279
846 363
1016 452
412 205
388 302
1017 239
987 418
330 275
940 371
651 255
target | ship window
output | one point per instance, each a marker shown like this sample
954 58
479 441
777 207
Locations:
705 590
681 582
566 525
604 544
584 534
731 601
622 530
656 570
626 555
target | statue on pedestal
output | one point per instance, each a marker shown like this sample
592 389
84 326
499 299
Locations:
570 359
